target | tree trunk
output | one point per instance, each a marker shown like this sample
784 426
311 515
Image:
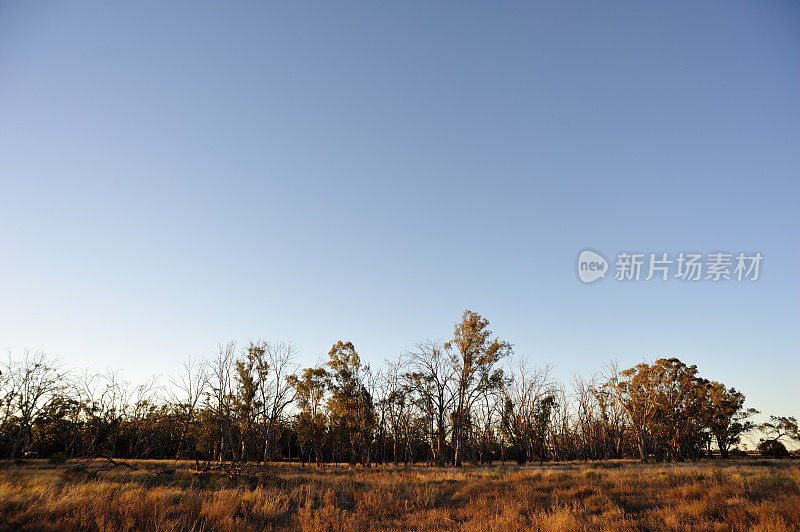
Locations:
18 441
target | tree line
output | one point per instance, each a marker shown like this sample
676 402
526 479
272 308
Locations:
465 400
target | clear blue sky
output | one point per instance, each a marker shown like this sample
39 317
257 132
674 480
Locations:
178 174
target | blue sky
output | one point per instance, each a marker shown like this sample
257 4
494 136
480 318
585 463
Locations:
175 175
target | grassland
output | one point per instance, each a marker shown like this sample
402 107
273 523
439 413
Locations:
717 495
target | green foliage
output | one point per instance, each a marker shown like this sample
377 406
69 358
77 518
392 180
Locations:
725 415
444 402
310 423
352 412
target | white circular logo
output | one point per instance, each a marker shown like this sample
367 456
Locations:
591 266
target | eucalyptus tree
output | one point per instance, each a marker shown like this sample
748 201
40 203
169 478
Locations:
634 391
352 412
310 422
725 415
474 357
776 429
678 396
245 397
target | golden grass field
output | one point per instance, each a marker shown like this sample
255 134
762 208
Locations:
740 494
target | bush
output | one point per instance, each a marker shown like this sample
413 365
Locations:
737 453
772 449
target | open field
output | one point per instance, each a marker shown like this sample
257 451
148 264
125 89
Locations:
718 495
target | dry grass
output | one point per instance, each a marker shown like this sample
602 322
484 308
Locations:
739 495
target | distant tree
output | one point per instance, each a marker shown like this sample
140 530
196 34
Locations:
187 391
56 429
679 393
245 399
37 379
433 378
527 399
777 428
725 415
352 413
397 398
634 391
8 394
107 405
273 364
310 423
141 418
220 401
599 423
664 403
474 357
542 413
444 403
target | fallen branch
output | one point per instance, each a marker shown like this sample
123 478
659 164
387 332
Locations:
108 464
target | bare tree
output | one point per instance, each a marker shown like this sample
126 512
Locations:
523 395
37 378
8 393
554 422
274 365
433 377
486 410
395 405
590 431
114 404
220 398
145 398
188 389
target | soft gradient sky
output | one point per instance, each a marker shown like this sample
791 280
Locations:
178 174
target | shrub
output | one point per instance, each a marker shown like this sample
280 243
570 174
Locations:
737 453
772 449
